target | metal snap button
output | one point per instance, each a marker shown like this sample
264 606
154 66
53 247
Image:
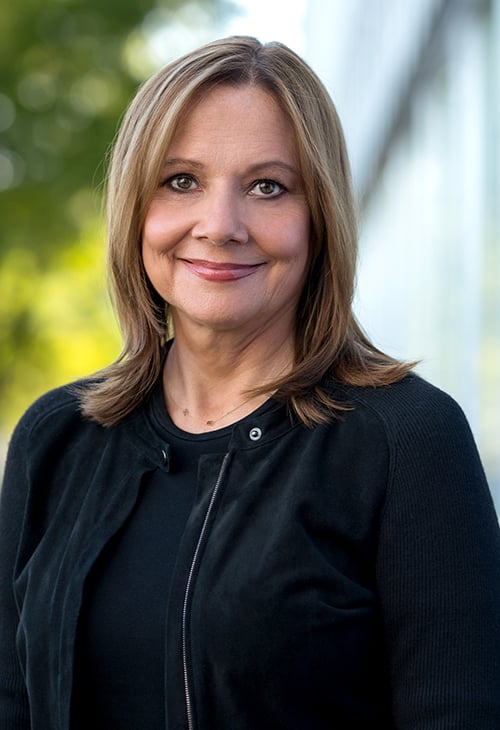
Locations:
165 457
255 434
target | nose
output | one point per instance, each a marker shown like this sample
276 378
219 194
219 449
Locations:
220 218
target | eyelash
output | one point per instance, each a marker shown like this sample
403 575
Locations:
266 181
170 183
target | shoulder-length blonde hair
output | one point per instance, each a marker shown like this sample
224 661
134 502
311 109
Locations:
330 345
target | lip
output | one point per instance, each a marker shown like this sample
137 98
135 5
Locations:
217 271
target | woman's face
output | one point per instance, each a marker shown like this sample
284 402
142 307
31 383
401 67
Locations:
226 237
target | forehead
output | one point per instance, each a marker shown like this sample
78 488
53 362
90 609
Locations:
235 117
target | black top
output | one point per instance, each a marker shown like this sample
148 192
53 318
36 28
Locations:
120 650
345 576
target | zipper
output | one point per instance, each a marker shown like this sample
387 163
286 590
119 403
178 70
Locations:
187 693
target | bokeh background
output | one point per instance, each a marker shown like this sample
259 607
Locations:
417 85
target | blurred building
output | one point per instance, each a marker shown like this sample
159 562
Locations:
417 86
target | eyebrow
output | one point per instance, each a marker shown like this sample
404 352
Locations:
174 161
273 163
180 161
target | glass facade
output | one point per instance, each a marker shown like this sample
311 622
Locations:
429 188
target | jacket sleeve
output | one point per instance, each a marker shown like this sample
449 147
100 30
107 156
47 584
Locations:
14 705
438 568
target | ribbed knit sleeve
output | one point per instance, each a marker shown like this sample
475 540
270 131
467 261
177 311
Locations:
14 708
438 569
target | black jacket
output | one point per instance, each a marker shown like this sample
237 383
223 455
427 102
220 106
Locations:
327 578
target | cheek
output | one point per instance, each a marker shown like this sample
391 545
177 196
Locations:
303 252
154 259
155 231
163 229
286 233
147 261
301 243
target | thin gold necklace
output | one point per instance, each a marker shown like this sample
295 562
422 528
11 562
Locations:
212 421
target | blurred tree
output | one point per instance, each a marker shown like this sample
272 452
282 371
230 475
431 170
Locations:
67 71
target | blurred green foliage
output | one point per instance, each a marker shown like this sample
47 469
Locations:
67 71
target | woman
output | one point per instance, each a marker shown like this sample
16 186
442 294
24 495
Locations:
253 519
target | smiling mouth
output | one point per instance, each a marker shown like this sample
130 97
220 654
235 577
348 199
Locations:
216 271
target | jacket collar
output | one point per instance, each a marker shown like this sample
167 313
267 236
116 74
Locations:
146 432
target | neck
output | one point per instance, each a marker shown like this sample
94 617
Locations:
208 383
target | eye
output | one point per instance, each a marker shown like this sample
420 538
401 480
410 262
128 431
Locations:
181 183
267 188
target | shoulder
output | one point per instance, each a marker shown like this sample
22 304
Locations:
54 428
433 457
408 408
425 432
53 420
61 403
